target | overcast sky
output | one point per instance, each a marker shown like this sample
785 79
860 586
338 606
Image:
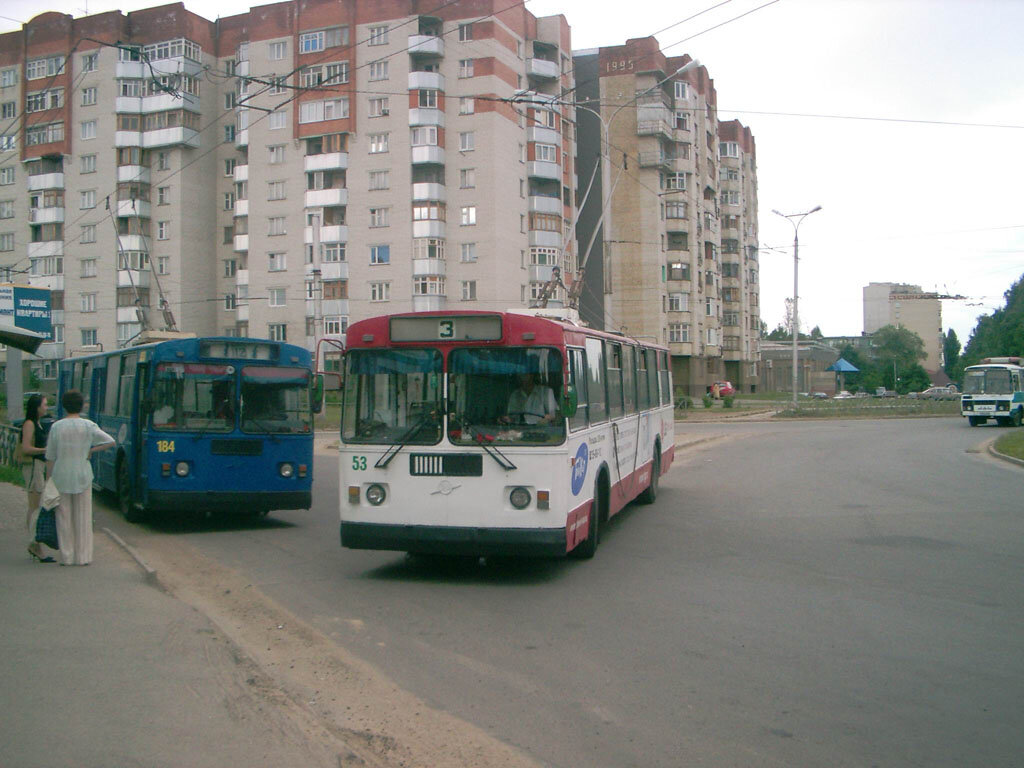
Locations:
903 200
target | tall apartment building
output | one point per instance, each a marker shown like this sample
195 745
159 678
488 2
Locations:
676 256
159 154
907 306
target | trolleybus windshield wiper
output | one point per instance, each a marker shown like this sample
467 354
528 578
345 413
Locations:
394 448
494 453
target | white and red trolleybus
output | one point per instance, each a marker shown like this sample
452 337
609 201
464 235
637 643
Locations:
488 433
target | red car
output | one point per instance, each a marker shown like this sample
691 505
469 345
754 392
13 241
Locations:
725 389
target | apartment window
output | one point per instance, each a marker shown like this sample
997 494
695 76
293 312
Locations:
88 233
88 96
88 129
88 337
676 181
465 67
729 197
319 111
333 252
465 32
380 254
58 334
90 62
468 215
730 318
87 199
428 285
544 257
467 141
276 262
732 174
678 270
428 248
678 333
163 265
467 178
678 302
675 210
88 267
8 143
276 297
229 167
427 98
163 161
335 289
467 252
163 230
378 142
467 105
378 70
677 241
378 35
712 336
230 267
547 153
229 201
163 195
379 107
380 291
276 226
6 244
429 211
335 325
87 302
8 77
6 209
728 149
277 120
423 136
7 175
311 42
275 154
682 90
277 331
336 73
379 217
277 51
275 190
379 180
230 100
38 68
229 134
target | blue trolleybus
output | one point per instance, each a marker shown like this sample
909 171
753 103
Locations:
211 424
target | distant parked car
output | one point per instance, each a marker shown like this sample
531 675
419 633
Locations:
819 395
725 388
883 392
938 393
843 395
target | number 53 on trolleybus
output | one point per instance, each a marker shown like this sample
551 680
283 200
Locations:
497 433
213 424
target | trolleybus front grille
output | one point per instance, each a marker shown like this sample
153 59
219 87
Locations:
229 447
446 464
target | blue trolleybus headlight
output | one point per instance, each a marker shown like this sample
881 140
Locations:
286 470
181 469
520 498
376 494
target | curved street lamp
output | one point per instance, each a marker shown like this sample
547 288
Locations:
795 219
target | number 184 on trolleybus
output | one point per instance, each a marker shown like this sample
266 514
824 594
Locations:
497 433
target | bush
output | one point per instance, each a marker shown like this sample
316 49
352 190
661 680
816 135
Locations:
684 402
728 401
708 401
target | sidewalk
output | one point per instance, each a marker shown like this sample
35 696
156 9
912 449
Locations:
101 669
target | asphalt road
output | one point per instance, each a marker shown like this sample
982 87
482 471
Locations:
802 593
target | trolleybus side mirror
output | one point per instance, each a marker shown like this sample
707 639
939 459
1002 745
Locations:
322 383
570 402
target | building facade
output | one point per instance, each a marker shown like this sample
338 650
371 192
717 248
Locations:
282 172
907 306
675 257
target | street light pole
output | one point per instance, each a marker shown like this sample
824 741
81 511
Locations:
796 271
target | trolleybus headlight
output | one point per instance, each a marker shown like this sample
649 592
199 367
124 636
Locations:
181 469
286 470
520 498
376 494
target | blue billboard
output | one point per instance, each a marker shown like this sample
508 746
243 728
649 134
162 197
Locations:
27 308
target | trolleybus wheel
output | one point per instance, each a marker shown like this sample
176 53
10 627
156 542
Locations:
124 495
650 493
974 420
1016 418
588 547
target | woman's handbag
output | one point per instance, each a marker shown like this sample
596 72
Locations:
46 523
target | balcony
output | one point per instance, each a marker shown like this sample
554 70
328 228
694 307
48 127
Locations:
428 191
331 270
429 80
542 169
544 135
656 127
426 116
127 139
428 229
134 243
242 277
130 70
654 159
426 45
541 273
46 215
130 173
165 102
428 303
317 198
241 207
545 204
165 137
330 307
542 68
329 161
428 154
422 267
50 282
335 233
681 348
242 312
46 248
546 239
133 208
126 278
241 243
242 68
45 181
242 138
241 173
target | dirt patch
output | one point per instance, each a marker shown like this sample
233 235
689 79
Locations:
343 704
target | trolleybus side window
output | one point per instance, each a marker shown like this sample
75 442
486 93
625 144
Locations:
613 368
651 358
578 379
597 401
392 396
643 394
110 393
663 378
127 379
628 379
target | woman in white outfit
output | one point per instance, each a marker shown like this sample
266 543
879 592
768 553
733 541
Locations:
70 443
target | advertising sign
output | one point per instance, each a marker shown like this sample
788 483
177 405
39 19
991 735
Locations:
26 308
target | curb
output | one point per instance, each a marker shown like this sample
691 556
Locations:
1011 459
150 573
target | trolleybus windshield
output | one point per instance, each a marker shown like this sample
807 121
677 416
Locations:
275 399
987 381
505 396
393 396
194 396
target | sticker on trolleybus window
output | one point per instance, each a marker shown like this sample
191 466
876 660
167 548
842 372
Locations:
579 469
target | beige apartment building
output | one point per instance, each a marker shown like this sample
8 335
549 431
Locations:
675 257
907 306
249 175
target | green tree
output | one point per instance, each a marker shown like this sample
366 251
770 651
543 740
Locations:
1001 333
890 343
951 355
816 333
